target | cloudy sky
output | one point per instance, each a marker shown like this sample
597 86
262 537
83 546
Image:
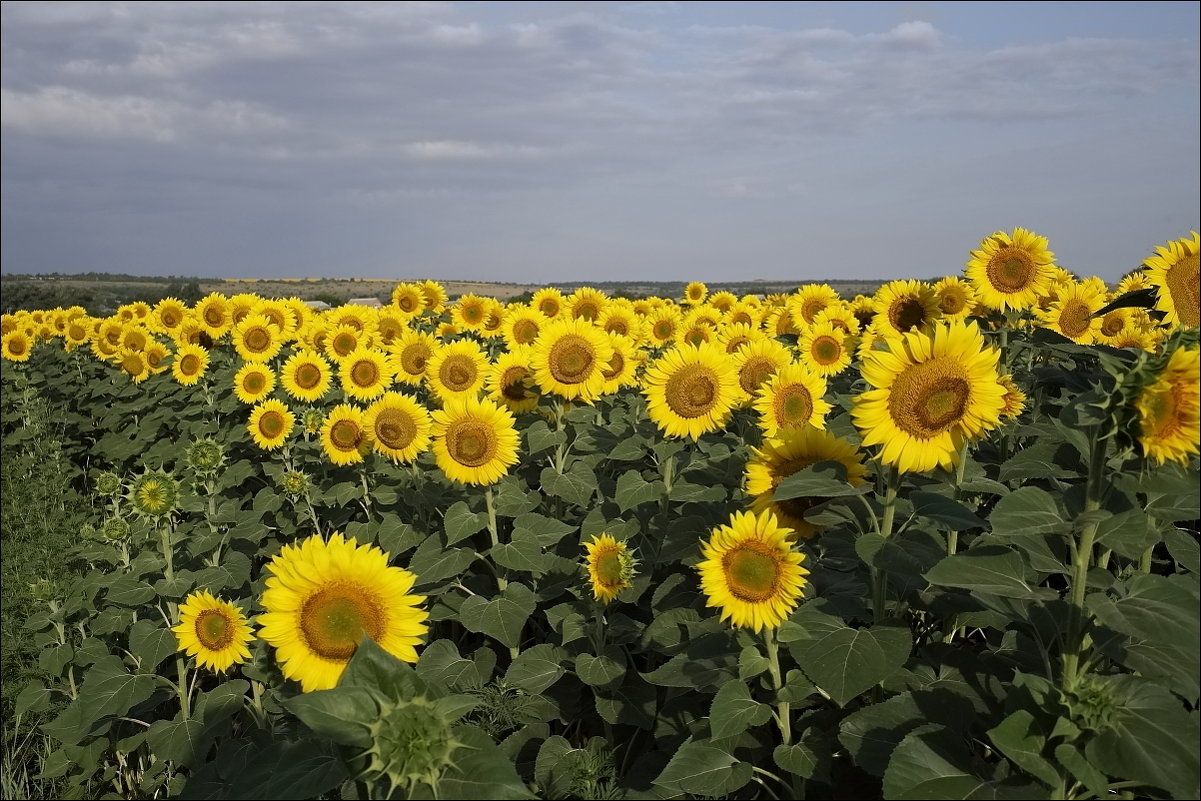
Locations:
592 141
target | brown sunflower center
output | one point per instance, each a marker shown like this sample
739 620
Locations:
472 313
413 358
276 316
1161 418
254 382
793 406
617 325
214 629
525 331
608 567
549 307
952 301
308 376
571 359
512 383
190 364
826 350
408 303
616 365
272 425
752 571
742 317
735 343
1112 323
586 309
345 435
1074 318
214 316
17 346
811 307
471 442
663 330
1011 269
1183 285
154 357
333 620
754 372
344 342
169 318
692 391
77 332
365 374
132 363
394 428
458 373
927 399
906 313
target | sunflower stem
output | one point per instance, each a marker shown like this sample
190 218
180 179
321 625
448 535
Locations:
1144 562
879 576
783 708
1076 642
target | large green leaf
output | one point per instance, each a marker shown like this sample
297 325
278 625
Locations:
823 480
502 617
460 522
480 770
989 569
1027 512
537 668
1018 738
844 662
702 769
733 710
633 490
931 763
151 644
944 512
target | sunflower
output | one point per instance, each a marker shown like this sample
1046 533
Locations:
904 306
1114 324
691 390
323 596
408 299
279 315
956 298
523 326
212 313
474 441
155 355
1072 313
792 398
470 311
733 337
457 370
792 451
1133 282
241 305
270 424
1011 271
359 317
778 322
15 346
398 427
154 493
804 305
511 382
1173 271
621 371
569 358
133 364
743 313
610 567
169 314
366 374
749 571
1170 409
620 318
930 392
344 339
494 321
390 325
824 350
306 376
841 315
548 301
757 362
435 296
189 364
100 347
723 301
411 353
343 437
662 325
214 631
1015 399
587 303
253 382
695 293
446 331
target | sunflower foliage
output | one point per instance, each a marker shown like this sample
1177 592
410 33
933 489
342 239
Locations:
937 543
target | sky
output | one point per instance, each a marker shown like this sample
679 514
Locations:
553 142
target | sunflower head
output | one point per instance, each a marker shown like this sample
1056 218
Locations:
205 456
475 441
213 630
115 529
108 484
295 483
1011 271
1174 273
691 390
271 423
610 566
412 743
1169 409
154 494
398 427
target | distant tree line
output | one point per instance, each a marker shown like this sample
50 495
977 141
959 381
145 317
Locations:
100 298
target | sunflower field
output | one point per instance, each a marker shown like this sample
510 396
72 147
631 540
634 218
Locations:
940 542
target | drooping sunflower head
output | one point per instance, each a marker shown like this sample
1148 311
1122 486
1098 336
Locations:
792 451
691 390
792 399
154 494
457 370
904 306
610 566
824 349
155 355
214 631
271 422
751 573
1011 271
511 380
930 392
253 382
1175 274
240 305
306 376
366 373
398 427
569 358
1015 399
323 596
475 441
1169 409
343 437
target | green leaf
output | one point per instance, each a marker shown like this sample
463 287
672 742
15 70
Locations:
809 758
440 663
603 670
1128 533
845 662
188 740
1083 771
540 437
341 715
1185 549
752 663
577 485
501 618
1049 458
873 732
633 490
1018 738
546 531
460 522
281 769
512 499
128 591
395 537
480 770
151 644
823 480
991 569
701 769
107 690
1027 512
536 668
733 711
687 492
945 512
928 764
432 564
1173 493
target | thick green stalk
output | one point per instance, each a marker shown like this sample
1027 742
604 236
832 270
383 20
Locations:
1074 645
783 708
892 479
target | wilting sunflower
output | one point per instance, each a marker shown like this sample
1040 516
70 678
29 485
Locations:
155 493
1015 399
793 398
568 359
133 364
930 392
322 597
306 376
366 373
1174 273
757 362
824 350
398 427
253 382
904 306
343 437
408 299
475 441
411 352
548 301
213 314
214 631
610 567
189 364
1170 409
956 298
522 326
810 299
691 390
511 382
1072 313
457 370
750 571
695 293
1011 271
587 303
15 346
270 424
793 451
